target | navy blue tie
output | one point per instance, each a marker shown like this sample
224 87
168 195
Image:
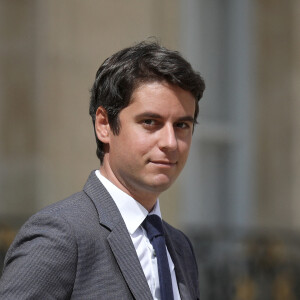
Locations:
154 228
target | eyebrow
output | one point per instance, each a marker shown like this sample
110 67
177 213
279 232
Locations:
187 119
158 116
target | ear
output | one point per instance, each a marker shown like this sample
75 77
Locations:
102 127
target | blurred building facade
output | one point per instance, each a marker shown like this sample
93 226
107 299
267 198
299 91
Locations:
50 52
244 167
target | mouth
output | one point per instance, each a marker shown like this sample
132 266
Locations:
163 163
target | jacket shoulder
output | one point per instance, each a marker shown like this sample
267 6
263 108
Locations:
47 247
175 234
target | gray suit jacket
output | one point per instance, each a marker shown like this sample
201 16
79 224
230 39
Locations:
79 248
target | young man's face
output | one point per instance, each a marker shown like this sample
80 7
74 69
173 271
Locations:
154 140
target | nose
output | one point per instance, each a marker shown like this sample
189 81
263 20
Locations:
167 138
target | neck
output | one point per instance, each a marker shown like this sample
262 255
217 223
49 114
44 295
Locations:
147 200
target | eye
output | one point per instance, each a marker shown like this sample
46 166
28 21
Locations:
182 125
149 122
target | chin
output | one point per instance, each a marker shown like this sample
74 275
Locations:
161 183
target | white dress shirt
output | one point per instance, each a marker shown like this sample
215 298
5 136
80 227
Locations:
133 214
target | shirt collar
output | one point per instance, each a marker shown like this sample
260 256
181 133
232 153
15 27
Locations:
132 212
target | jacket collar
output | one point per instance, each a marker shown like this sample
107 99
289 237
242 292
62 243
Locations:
122 247
119 238
176 255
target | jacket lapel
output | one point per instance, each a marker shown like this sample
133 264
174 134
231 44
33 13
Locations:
179 270
119 238
125 254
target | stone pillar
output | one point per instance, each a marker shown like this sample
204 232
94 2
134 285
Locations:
276 112
295 90
17 112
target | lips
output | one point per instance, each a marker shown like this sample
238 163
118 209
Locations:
163 163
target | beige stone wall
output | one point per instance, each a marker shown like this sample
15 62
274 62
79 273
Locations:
295 91
17 111
50 54
277 111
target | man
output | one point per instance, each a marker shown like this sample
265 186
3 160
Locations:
96 244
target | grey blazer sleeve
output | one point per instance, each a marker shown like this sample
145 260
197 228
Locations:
41 262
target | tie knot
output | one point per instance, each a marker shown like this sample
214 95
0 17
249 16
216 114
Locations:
153 226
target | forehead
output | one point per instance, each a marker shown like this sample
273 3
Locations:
163 96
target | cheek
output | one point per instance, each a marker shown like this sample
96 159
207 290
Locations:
185 143
184 147
141 143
